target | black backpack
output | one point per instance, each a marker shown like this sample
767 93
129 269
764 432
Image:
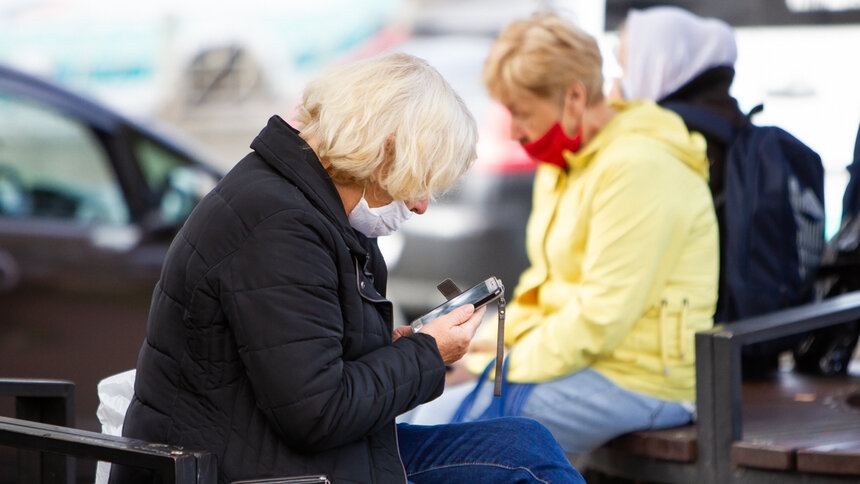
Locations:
774 215
828 351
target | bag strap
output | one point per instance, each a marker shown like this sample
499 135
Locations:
500 347
449 289
509 405
469 401
705 120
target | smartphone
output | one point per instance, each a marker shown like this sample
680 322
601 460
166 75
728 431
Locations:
478 295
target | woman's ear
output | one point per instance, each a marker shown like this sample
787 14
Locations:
390 149
574 99
575 102
389 152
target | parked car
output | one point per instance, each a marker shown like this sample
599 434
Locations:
478 228
89 202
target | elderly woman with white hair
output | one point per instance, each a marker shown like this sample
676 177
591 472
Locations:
269 341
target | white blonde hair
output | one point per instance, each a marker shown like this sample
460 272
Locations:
392 119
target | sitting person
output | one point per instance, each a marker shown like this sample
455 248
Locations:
622 242
684 62
669 55
269 341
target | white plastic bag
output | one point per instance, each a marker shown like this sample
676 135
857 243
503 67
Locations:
115 394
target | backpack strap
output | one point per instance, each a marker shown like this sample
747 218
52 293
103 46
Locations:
704 120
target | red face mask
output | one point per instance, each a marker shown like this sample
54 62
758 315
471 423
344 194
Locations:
552 144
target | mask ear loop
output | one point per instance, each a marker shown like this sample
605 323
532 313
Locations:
363 192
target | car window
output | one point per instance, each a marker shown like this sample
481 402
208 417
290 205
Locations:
176 180
157 162
52 166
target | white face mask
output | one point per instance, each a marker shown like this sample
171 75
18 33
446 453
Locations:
376 222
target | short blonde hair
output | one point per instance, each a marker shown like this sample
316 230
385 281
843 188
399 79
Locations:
544 55
392 119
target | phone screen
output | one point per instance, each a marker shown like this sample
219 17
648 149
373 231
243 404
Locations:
478 295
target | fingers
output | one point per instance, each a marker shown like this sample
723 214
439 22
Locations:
454 331
459 315
401 331
471 325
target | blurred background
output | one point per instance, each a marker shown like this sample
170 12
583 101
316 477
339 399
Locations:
116 117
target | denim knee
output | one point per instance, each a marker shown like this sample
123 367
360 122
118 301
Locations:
500 450
527 435
527 426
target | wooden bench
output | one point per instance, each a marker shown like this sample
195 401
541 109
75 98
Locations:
788 428
804 424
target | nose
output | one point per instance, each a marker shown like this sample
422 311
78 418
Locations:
517 132
418 206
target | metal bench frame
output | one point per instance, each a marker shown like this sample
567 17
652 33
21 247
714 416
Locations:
47 444
174 465
49 401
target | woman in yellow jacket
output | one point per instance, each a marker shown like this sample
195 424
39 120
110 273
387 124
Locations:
622 242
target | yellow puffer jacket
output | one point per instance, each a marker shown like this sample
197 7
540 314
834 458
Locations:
624 260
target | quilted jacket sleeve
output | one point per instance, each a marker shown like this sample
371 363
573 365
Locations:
282 298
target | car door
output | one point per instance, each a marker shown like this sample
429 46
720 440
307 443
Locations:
76 270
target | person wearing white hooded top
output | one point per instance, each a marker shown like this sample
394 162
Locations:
670 55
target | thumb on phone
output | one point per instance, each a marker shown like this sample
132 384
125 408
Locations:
455 317
454 331
461 314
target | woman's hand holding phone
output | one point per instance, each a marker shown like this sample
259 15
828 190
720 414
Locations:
454 331
400 332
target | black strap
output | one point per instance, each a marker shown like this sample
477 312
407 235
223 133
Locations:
449 289
500 347
704 120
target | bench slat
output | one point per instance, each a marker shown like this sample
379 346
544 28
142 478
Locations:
675 444
794 413
812 405
763 456
831 459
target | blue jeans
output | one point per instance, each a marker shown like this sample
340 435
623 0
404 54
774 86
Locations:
498 451
583 410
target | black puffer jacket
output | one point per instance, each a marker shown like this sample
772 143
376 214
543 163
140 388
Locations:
269 337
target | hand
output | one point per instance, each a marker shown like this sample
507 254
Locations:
401 331
454 331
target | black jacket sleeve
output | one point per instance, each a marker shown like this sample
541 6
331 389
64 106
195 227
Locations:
280 292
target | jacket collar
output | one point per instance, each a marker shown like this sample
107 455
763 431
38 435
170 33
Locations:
280 145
